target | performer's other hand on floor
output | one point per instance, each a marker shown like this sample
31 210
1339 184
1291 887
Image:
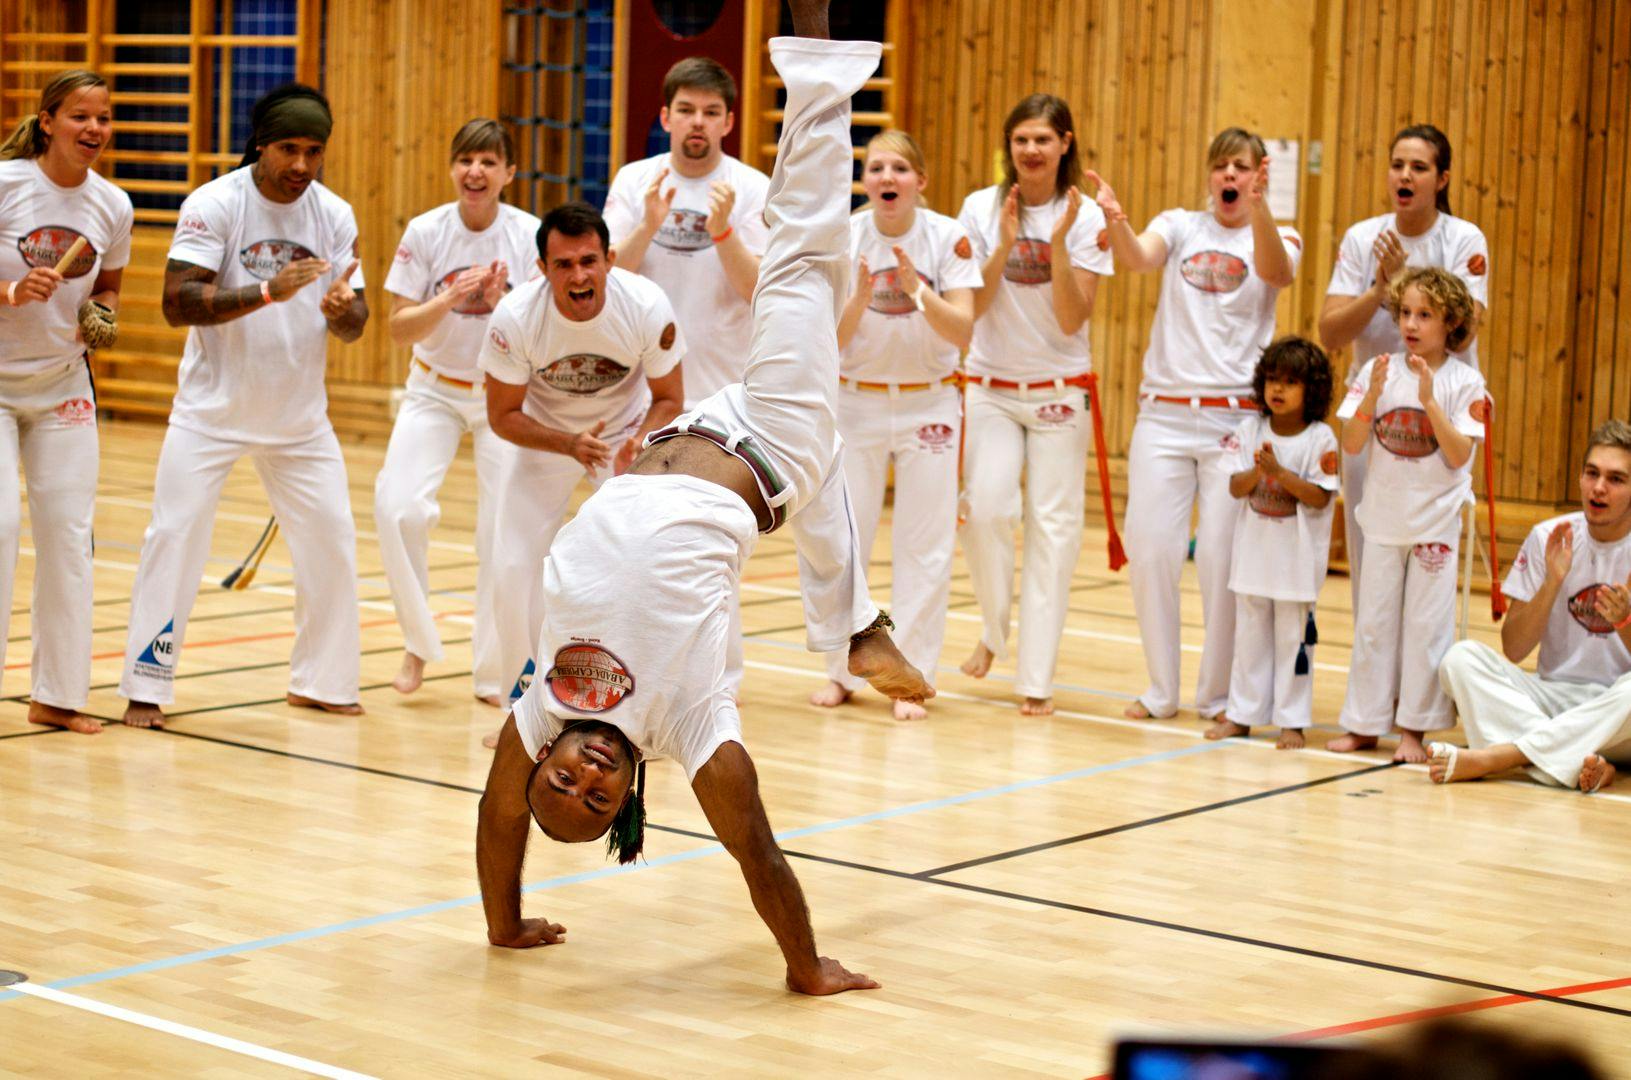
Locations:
829 978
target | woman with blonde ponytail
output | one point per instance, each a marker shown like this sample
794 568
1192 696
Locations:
64 243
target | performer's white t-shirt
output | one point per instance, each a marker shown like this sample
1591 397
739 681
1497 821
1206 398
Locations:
577 373
636 622
681 259
1215 314
893 342
1282 545
436 248
259 378
1018 337
39 222
1578 645
1412 495
1452 243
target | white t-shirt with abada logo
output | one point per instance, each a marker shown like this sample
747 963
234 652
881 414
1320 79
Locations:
1412 495
638 592
1019 338
1578 645
436 248
681 259
1452 243
259 378
39 222
893 342
1282 545
1215 314
577 373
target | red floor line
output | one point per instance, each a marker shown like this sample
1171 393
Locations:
1416 1015
245 639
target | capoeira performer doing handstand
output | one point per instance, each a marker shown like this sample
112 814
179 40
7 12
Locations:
1224 266
910 311
264 268
451 269
1570 588
639 584
64 242
585 351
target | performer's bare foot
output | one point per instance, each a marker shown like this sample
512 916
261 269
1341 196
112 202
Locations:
300 701
1411 749
831 695
910 710
490 740
51 716
1596 773
491 699
1036 706
143 714
978 663
1140 711
1290 739
1347 744
411 676
875 658
1225 728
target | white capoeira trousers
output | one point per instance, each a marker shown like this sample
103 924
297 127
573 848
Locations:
1404 625
1045 434
1556 725
306 485
917 430
1264 687
424 441
1354 467
786 401
1176 461
48 427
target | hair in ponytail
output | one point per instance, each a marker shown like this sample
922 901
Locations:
1440 143
29 140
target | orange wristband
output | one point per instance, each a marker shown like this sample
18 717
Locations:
724 236
1623 623
1364 417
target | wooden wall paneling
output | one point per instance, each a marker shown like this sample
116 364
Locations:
1614 320
1589 380
1568 55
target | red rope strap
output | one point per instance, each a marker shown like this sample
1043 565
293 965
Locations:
1497 600
1118 556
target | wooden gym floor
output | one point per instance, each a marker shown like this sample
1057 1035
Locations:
1024 889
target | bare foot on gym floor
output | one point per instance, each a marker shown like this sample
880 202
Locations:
411 676
1411 749
876 659
300 701
831 695
490 740
910 710
491 699
1347 744
1596 773
1225 728
1140 711
51 716
978 662
1290 739
143 714
1036 706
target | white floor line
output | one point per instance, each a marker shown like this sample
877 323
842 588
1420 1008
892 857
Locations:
253 519
170 1027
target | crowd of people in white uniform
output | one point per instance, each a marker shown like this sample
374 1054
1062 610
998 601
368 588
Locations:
560 344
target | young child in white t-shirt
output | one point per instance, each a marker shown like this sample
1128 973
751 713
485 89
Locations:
1425 416
1282 465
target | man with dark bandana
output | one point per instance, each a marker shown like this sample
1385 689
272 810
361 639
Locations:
638 587
263 268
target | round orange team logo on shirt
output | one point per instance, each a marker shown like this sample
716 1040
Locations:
1029 263
1479 410
963 249
1477 266
1583 607
588 678
1406 432
47 245
1214 271
1329 462
1271 500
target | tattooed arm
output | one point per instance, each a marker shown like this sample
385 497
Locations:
191 297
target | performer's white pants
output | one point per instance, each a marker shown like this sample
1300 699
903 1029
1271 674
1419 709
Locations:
1404 625
918 431
1264 687
424 441
48 427
1045 434
1354 467
1554 724
1176 460
786 400
306 485
534 491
